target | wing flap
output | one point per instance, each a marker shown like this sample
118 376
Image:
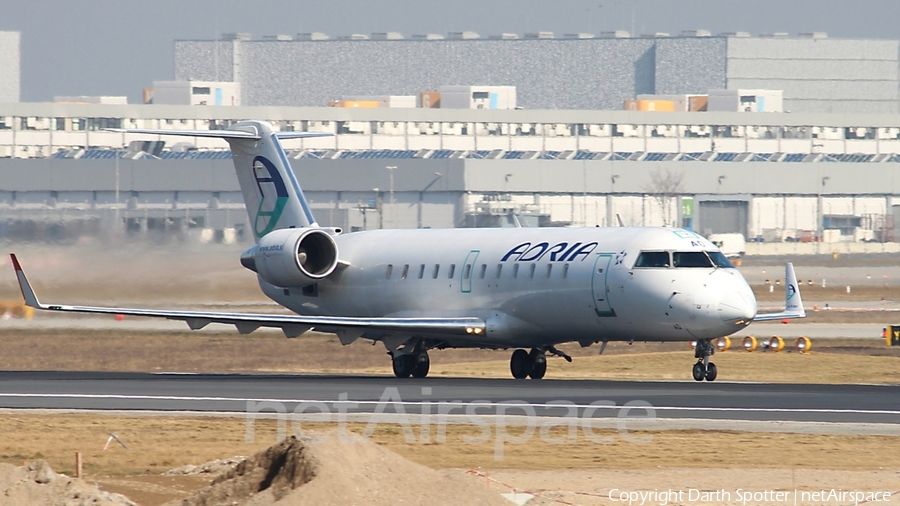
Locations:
292 325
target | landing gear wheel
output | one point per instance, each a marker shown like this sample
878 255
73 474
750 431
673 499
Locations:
699 371
403 365
422 364
711 372
520 364
538 364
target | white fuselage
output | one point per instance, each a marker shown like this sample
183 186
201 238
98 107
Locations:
532 286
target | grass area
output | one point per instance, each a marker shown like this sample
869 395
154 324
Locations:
831 361
735 365
157 444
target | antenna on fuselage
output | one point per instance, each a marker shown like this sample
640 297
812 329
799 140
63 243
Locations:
516 221
621 224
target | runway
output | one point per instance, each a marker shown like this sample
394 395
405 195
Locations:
236 393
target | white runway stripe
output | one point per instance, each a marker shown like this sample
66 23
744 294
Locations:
451 403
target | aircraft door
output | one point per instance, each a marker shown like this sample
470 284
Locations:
468 271
599 287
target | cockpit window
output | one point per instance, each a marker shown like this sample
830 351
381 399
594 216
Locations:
653 259
691 259
720 260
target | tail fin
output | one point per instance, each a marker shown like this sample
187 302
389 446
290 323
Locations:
271 192
793 304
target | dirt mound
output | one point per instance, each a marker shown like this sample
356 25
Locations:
339 471
267 476
212 468
36 483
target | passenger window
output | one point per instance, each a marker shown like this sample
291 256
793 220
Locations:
467 271
515 271
452 270
405 271
653 259
421 271
691 259
499 270
720 260
565 271
531 271
387 273
549 270
437 270
483 270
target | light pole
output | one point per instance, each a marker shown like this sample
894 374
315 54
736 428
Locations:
820 222
391 169
437 176
379 206
609 206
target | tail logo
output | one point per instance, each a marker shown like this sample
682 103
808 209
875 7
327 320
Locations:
273 196
791 291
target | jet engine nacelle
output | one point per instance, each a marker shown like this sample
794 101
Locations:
293 256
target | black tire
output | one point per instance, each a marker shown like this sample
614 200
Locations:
422 364
711 372
403 365
538 366
699 371
520 364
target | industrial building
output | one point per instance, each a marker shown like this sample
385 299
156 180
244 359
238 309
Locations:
778 177
575 71
527 132
10 66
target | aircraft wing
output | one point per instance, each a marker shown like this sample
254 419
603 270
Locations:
793 305
291 325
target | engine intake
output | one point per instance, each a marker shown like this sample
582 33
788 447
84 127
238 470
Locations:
293 256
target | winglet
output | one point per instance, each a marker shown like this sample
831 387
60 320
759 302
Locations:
31 299
793 304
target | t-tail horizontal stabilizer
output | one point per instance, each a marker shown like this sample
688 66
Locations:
793 305
221 134
271 192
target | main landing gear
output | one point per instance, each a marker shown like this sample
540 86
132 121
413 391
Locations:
523 364
411 364
704 369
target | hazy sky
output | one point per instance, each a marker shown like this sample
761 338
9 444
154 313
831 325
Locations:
118 47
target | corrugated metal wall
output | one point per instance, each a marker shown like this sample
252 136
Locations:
819 75
690 65
10 71
549 74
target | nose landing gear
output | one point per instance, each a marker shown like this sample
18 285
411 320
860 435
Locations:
704 369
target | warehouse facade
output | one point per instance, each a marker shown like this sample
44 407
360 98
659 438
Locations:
10 67
817 74
776 176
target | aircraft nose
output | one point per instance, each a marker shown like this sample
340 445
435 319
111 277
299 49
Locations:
737 307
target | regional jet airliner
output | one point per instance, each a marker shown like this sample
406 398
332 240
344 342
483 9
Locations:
526 289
